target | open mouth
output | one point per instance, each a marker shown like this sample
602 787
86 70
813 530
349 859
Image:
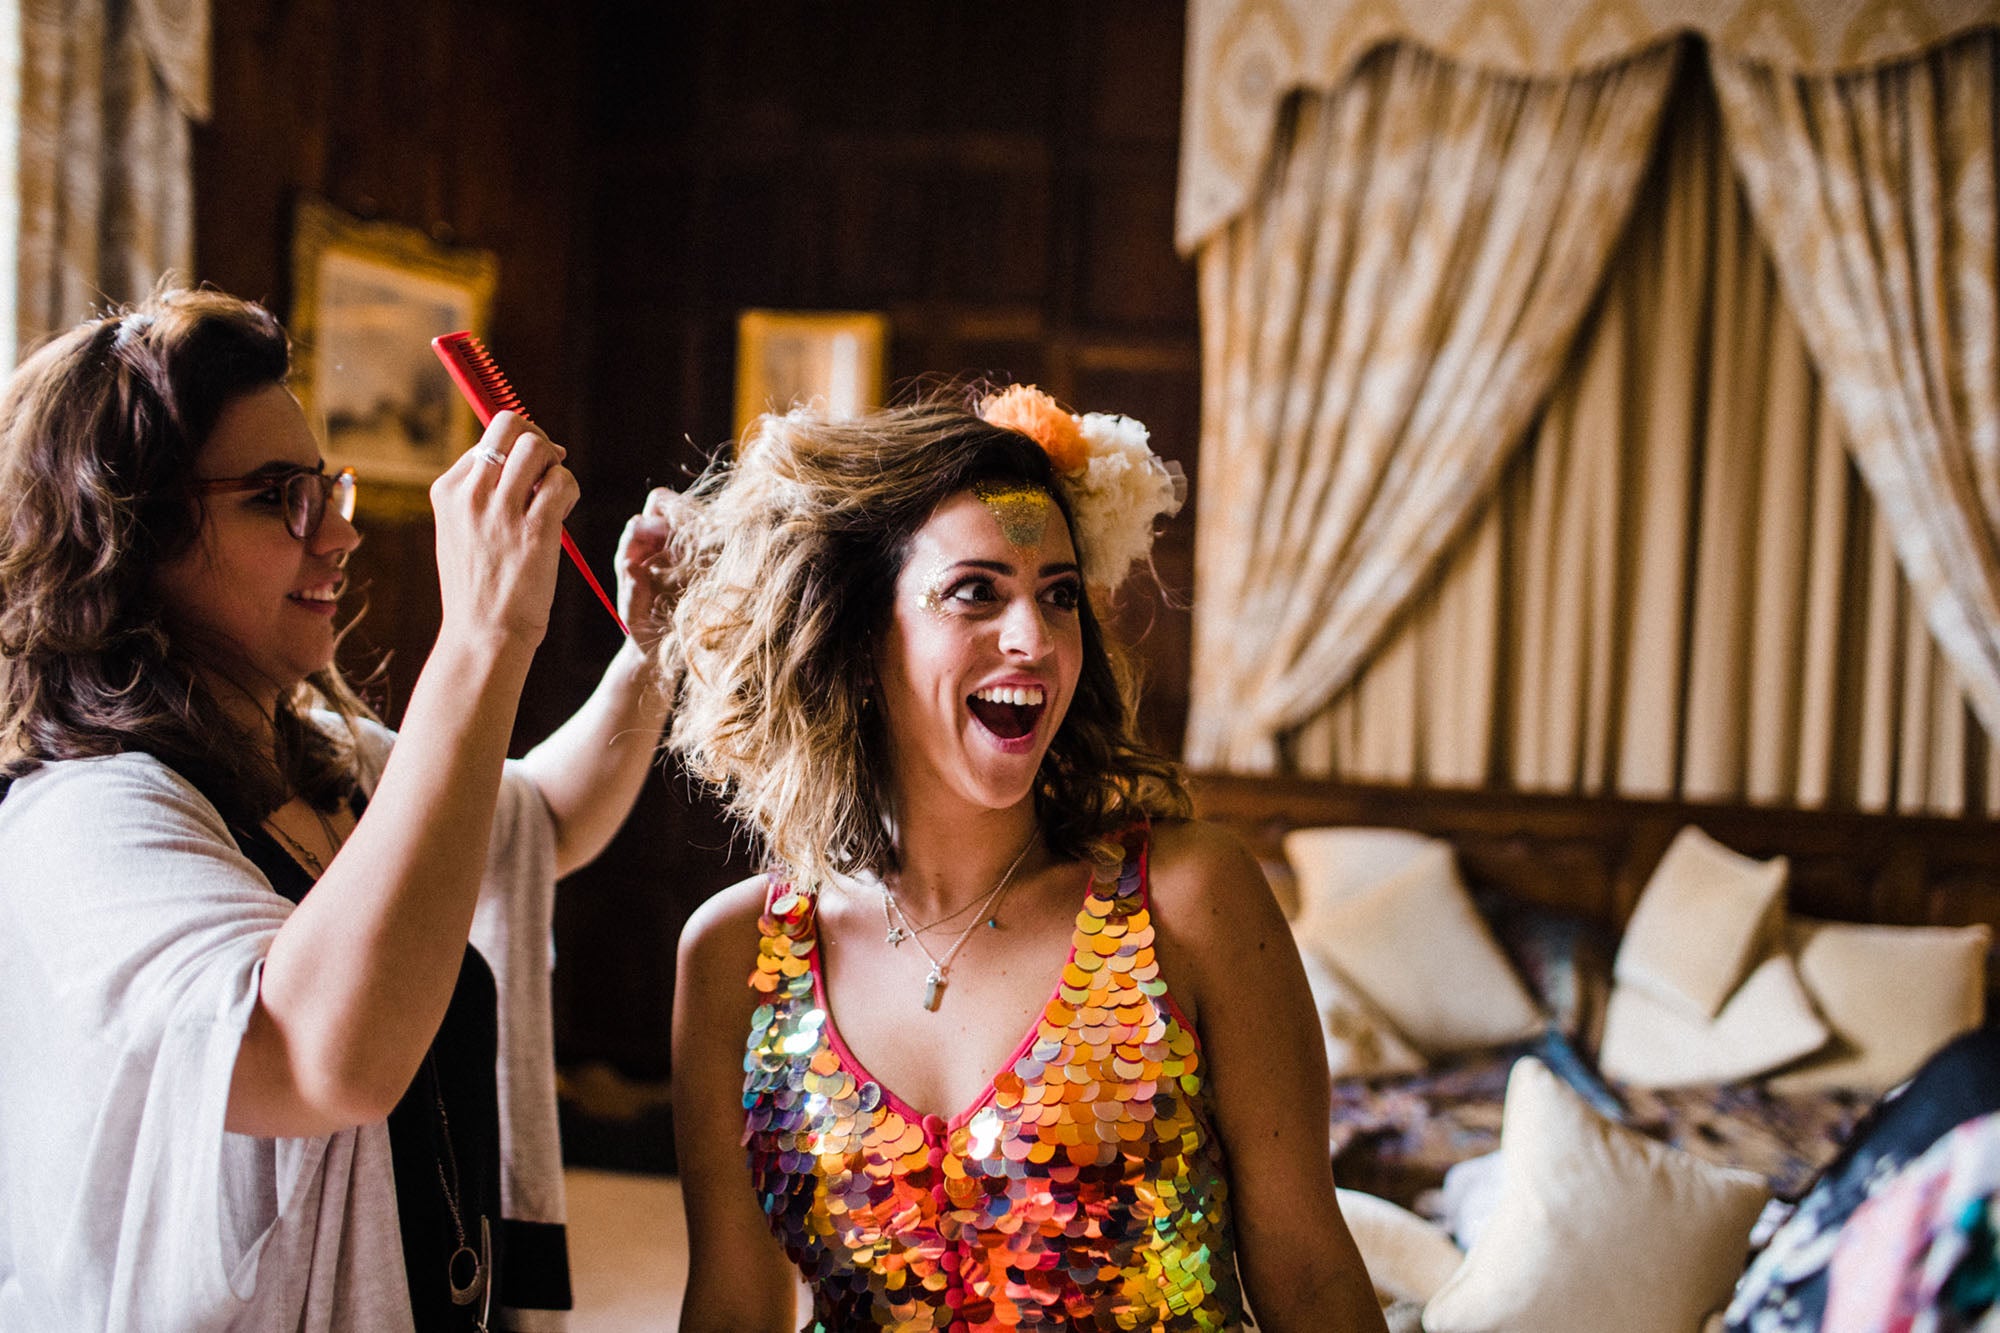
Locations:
1009 712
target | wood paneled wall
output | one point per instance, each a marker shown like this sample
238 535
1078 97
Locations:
461 119
998 177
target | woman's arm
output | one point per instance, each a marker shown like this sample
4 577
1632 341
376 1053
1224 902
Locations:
739 1281
357 979
591 768
1226 947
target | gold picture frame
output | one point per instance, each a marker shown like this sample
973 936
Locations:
787 358
367 299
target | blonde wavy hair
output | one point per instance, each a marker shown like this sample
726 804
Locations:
792 551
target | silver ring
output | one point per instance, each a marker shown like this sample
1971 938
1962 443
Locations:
486 453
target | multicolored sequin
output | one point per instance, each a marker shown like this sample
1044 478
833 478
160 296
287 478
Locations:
1085 1190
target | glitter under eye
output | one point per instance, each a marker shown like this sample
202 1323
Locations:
935 583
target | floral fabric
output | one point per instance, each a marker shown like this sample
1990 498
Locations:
1898 1234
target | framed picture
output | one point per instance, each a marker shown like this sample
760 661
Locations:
790 358
368 297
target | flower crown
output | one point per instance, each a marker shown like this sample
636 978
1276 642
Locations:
1115 484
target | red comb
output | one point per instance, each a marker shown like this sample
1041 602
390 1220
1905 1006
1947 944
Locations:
485 386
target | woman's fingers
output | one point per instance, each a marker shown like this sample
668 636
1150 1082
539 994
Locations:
553 491
499 513
647 581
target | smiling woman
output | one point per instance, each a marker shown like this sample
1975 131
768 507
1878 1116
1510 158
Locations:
1061 1106
262 582
260 1053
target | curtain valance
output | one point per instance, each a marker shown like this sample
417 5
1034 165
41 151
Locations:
1244 57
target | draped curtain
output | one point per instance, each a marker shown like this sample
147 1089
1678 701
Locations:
1887 118
1376 336
1876 191
1710 606
108 92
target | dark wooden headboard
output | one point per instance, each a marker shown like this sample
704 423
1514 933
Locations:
1593 855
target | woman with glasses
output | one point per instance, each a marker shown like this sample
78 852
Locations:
253 1074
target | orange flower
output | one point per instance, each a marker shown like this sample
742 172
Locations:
1025 408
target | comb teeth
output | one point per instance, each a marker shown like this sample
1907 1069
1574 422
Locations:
478 377
480 373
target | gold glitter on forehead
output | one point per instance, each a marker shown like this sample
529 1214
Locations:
1022 511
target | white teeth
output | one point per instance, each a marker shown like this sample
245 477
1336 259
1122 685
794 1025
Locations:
1021 696
319 595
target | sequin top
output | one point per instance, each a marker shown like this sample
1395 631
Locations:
1085 1189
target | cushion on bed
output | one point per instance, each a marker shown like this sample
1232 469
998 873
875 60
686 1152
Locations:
1891 994
1470 1193
1330 864
1417 948
1408 1258
1767 1023
1360 1042
1704 919
1598 1227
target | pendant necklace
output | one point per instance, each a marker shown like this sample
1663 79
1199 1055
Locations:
897 934
305 855
900 927
475 1266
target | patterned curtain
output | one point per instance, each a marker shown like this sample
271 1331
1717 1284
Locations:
1379 328
109 89
1245 57
1876 193
1682 587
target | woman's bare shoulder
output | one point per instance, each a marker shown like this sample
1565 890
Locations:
724 928
1193 864
718 954
1213 909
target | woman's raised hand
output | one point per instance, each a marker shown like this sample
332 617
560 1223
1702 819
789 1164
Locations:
648 581
500 510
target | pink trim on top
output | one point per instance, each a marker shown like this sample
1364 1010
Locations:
1173 1006
845 1054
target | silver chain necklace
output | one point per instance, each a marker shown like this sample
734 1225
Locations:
305 855
940 973
478 1265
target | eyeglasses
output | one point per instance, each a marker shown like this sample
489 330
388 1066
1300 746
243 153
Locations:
304 493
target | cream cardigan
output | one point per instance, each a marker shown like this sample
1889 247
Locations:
132 934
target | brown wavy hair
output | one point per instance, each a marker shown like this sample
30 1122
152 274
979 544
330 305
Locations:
99 432
793 550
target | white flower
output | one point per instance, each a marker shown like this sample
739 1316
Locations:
1123 488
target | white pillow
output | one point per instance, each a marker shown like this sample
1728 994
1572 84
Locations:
1704 919
1360 1042
1768 1022
1891 994
1416 947
1330 864
1470 1193
1598 1227
1408 1258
